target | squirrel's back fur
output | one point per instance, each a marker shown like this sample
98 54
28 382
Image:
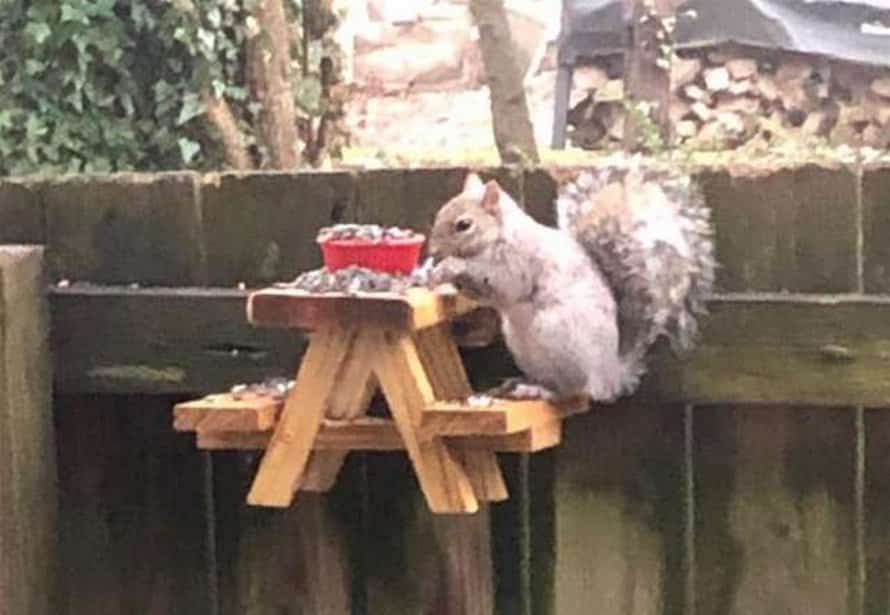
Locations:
648 231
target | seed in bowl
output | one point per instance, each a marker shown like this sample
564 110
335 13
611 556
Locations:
366 232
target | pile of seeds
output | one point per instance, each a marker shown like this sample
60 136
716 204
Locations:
352 280
276 388
372 233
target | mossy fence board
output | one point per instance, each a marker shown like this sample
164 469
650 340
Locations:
749 477
28 515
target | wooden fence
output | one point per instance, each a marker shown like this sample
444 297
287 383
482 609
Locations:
751 478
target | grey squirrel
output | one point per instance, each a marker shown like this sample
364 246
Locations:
580 305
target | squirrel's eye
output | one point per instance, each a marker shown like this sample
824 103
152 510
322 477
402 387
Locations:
463 225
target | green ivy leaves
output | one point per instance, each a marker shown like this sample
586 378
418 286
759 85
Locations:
112 85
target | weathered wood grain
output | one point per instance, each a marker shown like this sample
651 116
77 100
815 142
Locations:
875 512
293 561
791 229
21 212
132 520
407 389
464 541
775 513
418 308
539 195
769 348
619 513
28 491
284 460
819 350
261 227
419 194
125 229
876 229
220 412
154 341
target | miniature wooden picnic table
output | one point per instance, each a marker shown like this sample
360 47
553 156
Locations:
401 344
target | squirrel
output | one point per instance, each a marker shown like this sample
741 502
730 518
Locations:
580 305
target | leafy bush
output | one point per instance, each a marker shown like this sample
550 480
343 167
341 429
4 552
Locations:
110 85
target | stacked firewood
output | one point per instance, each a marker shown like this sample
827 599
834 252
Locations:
725 97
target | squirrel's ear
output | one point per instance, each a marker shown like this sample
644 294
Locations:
491 198
472 183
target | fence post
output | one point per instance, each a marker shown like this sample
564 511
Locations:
28 496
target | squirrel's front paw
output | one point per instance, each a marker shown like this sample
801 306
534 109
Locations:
448 271
519 390
455 271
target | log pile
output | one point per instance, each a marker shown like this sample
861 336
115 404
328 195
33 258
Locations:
726 97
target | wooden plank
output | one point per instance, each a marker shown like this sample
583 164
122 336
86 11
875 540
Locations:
289 308
126 228
418 562
407 197
874 465
129 485
435 307
408 391
467 585
771 348
322 469
442 363
21 212
465 541
260 228
284 561
367 433
502 417
816 350
345 402
618 515
225 413
373 434
28 493
784 229
285 458
538 438
113 339
775 510
875 188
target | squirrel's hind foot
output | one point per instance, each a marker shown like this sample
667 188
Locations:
519 390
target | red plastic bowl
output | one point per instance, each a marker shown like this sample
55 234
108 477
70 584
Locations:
391 255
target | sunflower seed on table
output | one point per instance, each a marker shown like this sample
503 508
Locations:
275 387
480 401
353 280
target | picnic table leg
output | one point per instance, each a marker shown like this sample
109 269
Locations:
408 391
284 462
347 401
441 359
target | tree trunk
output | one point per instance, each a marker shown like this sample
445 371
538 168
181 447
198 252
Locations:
219 115
647 77
513 132
270 66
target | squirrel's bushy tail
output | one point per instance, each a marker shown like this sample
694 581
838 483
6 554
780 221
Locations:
649 232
